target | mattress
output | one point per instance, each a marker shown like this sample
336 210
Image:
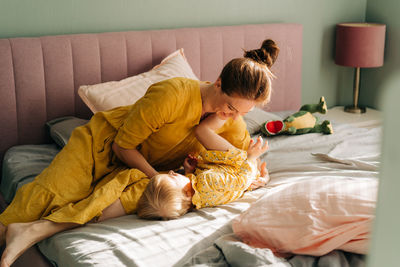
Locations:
205 237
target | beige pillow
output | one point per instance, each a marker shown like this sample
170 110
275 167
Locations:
108 95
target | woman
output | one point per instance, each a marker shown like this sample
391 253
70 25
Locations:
108 162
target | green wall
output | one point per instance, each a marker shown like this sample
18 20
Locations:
320 75
373 80
383 90
386 234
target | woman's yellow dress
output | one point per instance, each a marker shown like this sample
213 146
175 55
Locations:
86 176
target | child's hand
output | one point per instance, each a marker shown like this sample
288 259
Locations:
257 148
190 164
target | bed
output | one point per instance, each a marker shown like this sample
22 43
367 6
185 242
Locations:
47 90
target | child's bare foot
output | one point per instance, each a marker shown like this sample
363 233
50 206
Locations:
19 237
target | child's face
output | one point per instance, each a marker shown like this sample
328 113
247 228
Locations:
181 181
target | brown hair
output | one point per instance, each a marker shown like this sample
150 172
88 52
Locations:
250 77
161 200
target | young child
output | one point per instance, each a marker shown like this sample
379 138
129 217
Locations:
219 175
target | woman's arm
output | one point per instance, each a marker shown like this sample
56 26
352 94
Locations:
134 159
146 117
205 133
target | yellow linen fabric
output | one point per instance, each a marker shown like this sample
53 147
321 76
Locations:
162 124
86 177
221 177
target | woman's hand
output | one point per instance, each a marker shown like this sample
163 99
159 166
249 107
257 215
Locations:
134 159
190 164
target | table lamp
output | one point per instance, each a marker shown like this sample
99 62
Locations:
359 45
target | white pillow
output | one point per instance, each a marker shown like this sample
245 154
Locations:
108 95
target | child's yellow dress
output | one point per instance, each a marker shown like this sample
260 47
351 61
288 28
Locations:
222 177
86 177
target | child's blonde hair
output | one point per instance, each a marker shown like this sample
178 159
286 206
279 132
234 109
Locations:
161 200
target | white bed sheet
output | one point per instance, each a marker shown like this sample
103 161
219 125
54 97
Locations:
129 241
349 153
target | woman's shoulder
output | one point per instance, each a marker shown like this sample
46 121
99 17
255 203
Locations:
176 85
175 90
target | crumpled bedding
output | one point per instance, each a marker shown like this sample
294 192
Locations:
229 250
204 236
350 154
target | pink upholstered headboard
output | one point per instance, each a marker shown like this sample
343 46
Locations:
39 77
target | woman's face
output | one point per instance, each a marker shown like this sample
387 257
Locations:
230 106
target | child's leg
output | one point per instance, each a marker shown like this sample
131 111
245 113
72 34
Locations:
21 236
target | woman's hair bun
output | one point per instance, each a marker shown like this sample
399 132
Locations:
267 54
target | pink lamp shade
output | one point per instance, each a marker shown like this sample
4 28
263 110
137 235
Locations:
360 44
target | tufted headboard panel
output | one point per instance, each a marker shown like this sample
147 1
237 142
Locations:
39 77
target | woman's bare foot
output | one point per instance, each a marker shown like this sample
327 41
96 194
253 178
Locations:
21 236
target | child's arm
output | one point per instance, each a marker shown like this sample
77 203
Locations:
205 133
190 164
256 149
114 210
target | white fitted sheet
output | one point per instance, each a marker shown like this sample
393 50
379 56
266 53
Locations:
349 153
